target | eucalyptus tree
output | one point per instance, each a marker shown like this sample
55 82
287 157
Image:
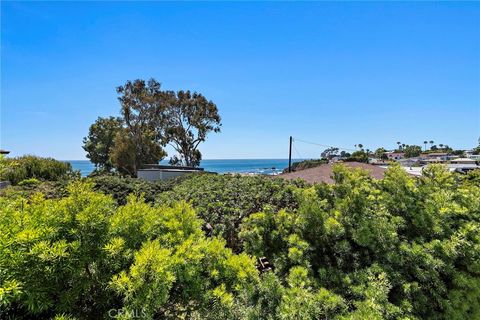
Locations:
150 119
188 119
181 119
142 108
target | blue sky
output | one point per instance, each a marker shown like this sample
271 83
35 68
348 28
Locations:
333 73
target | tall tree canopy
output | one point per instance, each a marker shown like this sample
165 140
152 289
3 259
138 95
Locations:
412 151
100 140
142 109
128 155
151 119
189 117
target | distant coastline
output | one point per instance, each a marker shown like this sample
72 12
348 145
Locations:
244 166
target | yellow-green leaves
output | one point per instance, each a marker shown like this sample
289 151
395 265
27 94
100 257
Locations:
399 248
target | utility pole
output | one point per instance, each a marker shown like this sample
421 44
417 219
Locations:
290 155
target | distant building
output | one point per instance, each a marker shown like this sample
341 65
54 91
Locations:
474 157
462 167
414 171
377 162
435 157
395 155
463 161
409 162
155 172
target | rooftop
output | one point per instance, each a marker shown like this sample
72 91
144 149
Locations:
467 160
324 172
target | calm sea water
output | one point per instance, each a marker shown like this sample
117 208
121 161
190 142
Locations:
258 166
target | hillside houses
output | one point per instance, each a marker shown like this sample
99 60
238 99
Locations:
414 165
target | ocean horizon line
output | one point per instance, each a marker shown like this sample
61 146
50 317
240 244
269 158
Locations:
259 166
211 159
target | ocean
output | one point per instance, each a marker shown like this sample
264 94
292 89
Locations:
256 166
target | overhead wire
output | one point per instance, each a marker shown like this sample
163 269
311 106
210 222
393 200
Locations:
296 150
323 145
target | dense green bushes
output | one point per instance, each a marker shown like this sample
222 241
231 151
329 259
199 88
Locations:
26 167
398 248
121 187
83 256
224 201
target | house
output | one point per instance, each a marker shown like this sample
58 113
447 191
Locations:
434 157
392 155
378 162
462 167
463 161
409 162
155 172
474 157
414 171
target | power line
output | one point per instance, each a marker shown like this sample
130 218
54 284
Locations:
298 153
322 145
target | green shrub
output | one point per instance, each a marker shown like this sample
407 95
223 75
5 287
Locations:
83 256
306 164
401 247
27 167
29 182
121 187
224 201
358 156
397 248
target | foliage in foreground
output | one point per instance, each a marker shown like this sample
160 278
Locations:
399 248
396 248
83 256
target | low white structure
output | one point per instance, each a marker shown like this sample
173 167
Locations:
452 167
159 172
415 171
474 157
462 167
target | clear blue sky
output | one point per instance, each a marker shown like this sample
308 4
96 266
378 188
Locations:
334 73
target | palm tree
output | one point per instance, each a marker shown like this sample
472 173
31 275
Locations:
441 145
399 145
431 144
425 143
360 146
